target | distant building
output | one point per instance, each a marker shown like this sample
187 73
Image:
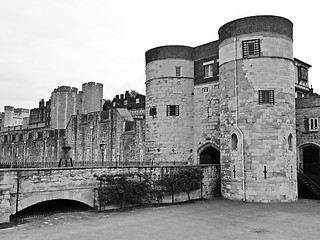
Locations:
67 101
1 121
129 100
15 116
42 114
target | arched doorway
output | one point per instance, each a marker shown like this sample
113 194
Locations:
310 155
209 155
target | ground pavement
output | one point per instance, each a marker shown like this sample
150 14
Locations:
207 219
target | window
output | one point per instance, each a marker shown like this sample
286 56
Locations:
313 124
234 141
125 102
302 73
153 112
290 141
172 110
40 135
129 126
137 100
84 118
251 48
104 115
178 71
208 69
266 97
205 90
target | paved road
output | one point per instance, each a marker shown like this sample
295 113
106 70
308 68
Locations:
208 219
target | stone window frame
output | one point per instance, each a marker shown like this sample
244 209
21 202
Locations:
266 97
234 142
173 110
178 71
208 69
313 124
153 112
251 48
205 90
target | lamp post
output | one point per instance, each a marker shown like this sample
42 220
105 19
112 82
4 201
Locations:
102 148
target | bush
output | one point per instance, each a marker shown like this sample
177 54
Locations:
124 189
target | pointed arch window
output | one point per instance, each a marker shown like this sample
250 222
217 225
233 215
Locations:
234 141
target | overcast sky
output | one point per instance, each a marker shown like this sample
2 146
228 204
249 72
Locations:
49 43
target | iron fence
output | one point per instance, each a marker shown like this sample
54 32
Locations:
86 164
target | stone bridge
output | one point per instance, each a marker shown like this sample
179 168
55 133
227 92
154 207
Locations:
21 188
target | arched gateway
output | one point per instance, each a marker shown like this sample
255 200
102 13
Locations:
209 154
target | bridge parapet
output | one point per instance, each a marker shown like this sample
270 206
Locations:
21 188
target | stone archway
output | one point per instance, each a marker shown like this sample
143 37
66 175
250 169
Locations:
311 158
209 154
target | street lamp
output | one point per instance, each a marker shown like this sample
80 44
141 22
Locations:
102 148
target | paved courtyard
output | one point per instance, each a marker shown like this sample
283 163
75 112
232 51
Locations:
208 219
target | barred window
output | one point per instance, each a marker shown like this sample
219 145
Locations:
266 97
153 112
251 48
172 110
178 71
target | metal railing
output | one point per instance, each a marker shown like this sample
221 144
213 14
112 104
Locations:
85 164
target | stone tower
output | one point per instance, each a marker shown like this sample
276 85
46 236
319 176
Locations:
63 106
169 104
92 95
257 116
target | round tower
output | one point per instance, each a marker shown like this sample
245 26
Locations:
257 117
169 104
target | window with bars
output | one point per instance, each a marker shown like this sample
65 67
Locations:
313 124
266 97
153 112
172 110
178 71
251 48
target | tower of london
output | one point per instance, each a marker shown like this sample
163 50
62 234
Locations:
230 102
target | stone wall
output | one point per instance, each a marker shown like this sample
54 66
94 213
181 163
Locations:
24 147
206 116
306 108
123 138
34 186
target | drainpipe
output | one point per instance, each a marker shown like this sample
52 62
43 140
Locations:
236 125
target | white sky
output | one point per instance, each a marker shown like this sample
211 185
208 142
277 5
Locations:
49 43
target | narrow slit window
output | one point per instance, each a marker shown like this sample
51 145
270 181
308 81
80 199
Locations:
290 142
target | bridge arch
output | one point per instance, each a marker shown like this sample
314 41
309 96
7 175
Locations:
85 196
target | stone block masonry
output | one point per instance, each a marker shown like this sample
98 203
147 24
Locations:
38 185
